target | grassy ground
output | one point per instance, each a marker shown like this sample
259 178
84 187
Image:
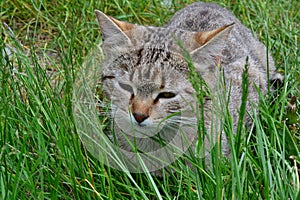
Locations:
41 154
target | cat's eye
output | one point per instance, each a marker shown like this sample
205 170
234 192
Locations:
126 87
165 95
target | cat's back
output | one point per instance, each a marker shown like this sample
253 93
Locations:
202 16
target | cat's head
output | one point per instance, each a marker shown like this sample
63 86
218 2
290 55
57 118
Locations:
145 74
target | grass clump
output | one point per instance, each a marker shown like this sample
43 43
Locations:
41 154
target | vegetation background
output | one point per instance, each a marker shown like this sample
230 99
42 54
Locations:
42 46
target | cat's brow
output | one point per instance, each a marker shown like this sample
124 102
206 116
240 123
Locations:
103 78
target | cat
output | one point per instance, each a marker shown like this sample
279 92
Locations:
145 75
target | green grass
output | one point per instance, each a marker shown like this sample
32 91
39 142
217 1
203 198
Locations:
41 154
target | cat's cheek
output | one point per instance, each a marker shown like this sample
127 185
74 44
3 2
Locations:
109 89
158 113
130 127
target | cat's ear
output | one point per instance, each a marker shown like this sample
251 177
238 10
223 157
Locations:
109 26
214 37
207 55
211 43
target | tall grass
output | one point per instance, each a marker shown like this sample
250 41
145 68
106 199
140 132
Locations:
42 156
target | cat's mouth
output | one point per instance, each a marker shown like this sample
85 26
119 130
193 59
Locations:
141 125
148 128
138 130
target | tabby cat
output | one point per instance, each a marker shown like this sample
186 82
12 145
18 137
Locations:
145 75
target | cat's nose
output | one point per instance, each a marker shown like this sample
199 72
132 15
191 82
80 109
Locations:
139 117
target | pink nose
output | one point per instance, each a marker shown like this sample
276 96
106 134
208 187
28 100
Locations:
139 117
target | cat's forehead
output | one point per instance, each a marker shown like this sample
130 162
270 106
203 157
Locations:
148 68
148 76
146 88
148 60
161 36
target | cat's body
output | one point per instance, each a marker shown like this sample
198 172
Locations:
146 77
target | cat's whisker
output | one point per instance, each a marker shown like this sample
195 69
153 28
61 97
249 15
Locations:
185 120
